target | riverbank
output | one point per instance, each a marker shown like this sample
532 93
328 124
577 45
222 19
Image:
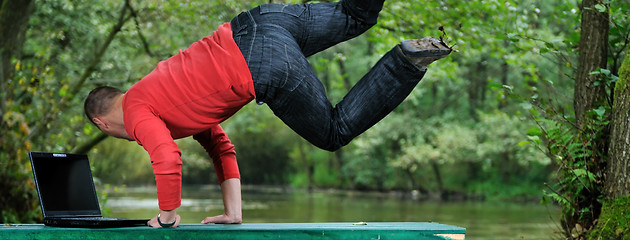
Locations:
447 196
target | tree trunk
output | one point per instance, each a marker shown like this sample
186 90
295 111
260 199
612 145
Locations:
14 16
306 164
505 72
588 96
344 74
593 54
476 88
438 179
87 145
617 180
339 161
614 221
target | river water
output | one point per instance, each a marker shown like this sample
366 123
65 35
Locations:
482 220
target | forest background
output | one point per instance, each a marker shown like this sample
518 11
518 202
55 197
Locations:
499 119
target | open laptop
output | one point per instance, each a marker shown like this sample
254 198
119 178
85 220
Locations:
66 192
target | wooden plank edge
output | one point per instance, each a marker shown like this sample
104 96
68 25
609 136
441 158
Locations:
452 236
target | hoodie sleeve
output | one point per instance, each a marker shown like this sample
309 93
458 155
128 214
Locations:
151 132
219 147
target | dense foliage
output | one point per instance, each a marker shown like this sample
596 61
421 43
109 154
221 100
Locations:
490 121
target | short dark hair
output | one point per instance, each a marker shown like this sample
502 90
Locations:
99 101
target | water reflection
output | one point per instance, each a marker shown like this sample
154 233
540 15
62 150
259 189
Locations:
483 220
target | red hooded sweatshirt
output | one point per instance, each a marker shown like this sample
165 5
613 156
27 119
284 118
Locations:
189 94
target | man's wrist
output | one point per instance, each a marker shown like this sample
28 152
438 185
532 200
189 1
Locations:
165 225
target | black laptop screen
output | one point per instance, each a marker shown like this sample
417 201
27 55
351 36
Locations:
65 185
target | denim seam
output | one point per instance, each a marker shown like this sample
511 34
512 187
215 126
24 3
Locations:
287 66
341 138
255 27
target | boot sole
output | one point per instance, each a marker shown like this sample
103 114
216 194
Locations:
426 47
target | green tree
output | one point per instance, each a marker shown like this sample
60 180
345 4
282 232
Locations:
615 217
41 88
588 97
580 145
18 199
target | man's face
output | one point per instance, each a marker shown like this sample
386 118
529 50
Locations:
112 125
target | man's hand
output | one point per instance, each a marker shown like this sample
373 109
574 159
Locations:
231 189
166 217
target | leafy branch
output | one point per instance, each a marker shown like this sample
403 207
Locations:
64 102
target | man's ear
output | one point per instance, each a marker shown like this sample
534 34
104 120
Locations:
99 122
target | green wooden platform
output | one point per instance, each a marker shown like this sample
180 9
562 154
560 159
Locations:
293 231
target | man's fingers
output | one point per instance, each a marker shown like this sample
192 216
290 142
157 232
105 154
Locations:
216 219
224 219
209 220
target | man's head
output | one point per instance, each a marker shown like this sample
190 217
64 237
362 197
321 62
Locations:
103 106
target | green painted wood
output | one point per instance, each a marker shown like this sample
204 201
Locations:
382 230
377 230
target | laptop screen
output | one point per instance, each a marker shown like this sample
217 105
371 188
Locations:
64 183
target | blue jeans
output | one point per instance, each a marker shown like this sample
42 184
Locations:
276 39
